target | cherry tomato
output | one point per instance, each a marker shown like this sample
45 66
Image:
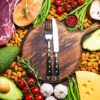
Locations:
57 2
26 90
39 97
75 3
21 84
75 0
30 81
28 97
67 1
68 7
35 90
81 2
59 10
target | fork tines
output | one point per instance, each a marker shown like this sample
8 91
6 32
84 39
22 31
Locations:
48 37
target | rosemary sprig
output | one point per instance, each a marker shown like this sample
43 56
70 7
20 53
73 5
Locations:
26 12
27 65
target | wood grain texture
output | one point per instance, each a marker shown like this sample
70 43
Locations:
35 49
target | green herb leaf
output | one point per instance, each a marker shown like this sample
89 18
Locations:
71 29
27 65
26 12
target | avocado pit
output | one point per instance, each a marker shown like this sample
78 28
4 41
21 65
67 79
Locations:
4 87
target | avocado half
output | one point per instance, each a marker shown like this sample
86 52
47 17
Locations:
7 56
14 93
92 43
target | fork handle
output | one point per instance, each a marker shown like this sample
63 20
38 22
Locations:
56 66
49 65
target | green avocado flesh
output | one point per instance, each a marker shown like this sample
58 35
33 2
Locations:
7 55
93 42
13 94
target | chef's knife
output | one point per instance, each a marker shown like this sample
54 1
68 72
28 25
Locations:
56 48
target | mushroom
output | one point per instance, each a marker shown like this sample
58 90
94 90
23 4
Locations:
60 91
46 89
51 98
94 10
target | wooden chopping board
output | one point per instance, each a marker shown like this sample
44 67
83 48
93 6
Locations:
35 49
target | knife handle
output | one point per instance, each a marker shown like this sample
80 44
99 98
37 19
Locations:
49 65
56 67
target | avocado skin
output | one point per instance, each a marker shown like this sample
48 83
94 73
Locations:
7 55
14 93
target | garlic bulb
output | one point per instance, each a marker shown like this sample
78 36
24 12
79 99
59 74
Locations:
60 91
94 10
51 98
46 89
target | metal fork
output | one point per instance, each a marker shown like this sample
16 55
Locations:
48 37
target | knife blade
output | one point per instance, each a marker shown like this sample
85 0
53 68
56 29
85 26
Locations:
56 48
55 35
